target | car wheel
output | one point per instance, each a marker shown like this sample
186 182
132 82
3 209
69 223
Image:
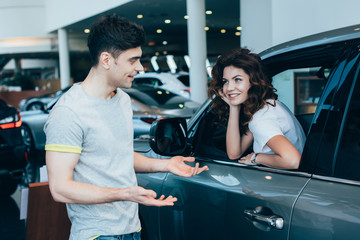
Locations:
35 106
32 171
27 138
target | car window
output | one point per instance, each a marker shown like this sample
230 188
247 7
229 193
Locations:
148 81
333 116
319 120
308 84
184 79
348 163
210 138
308 77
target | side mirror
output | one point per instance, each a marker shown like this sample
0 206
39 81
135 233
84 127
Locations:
168 136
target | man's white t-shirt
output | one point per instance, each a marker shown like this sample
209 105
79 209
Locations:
275 120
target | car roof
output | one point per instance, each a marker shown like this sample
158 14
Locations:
333 36
322 49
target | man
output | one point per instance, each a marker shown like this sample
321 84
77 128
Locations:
89 141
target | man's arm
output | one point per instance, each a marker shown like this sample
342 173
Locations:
60 167
175 165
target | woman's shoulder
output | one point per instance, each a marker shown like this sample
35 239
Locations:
273 109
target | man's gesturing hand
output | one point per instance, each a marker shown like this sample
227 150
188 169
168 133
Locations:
148 197
177 165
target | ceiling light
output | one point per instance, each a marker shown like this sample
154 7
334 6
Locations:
208 12
239 28
223 30
139 16
206 28
164 42
164 52
157 53
237 33
186 17
158 30
167 21
152 43
86 30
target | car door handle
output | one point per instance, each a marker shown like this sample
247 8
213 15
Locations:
264 216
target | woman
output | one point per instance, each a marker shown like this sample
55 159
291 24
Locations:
244 97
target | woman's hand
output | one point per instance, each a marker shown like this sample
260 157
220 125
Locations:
223 97
247 159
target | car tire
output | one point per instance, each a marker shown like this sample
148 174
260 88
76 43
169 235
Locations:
31 174
32 169
35 106
27 138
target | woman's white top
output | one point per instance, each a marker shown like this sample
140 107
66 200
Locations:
276 120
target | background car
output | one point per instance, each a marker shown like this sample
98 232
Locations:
13 157
165 101
320 200
166 81
39 102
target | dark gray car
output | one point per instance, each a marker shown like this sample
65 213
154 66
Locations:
320 200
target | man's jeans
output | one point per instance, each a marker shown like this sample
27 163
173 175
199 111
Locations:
130 236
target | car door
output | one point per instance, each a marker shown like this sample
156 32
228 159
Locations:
231 200
329 205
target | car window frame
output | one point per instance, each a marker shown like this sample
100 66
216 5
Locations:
356 82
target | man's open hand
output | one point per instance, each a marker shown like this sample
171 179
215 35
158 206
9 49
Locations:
177 165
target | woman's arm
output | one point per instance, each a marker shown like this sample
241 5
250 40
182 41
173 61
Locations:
286 155
236 144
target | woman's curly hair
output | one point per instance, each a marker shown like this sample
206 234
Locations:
261 89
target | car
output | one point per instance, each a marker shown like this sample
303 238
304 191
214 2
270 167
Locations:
163 80
320 200
13 156
39 102
167 101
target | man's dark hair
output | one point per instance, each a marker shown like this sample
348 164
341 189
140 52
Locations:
113 34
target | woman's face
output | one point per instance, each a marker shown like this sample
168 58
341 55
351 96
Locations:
236 85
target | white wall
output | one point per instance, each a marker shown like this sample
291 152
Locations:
60 13
293 18
284 83
19 18
270 22
256 23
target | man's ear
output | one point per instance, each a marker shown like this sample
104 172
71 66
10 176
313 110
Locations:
105 59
